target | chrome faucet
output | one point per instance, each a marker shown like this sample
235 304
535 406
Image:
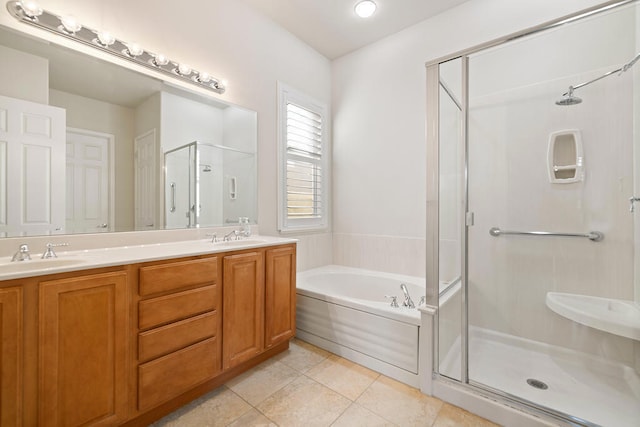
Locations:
22 254
214 237
408 302
227 237
49 253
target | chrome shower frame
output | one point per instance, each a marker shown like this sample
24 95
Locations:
467 390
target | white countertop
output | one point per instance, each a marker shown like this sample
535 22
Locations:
122 255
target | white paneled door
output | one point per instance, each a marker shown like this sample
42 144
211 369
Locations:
88 181
32 167
145 181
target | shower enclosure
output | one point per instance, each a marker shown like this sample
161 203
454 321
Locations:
533 218
208 185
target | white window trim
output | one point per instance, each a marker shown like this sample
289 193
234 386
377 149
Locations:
291 225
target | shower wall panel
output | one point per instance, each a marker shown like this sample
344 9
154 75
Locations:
510 189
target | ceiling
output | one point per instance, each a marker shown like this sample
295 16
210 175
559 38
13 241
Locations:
332 28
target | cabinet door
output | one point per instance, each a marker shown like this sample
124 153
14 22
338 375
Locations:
11 356
83 338
280 295
242 308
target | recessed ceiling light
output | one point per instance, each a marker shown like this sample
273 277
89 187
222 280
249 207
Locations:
365 8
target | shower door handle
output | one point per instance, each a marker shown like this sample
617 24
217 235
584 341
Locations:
173 197
632 202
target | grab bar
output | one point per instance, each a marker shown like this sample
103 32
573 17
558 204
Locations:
594 236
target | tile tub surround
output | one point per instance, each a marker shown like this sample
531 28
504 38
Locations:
392 254
307 386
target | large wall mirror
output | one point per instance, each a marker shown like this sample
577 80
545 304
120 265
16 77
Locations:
87 146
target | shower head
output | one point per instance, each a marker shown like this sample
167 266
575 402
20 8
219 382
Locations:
568 98
206 168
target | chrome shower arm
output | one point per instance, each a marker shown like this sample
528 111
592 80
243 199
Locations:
630 63
620 70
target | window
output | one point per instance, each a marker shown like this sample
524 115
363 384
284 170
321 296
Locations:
303 176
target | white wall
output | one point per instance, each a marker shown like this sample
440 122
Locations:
24 76
185 121
378 102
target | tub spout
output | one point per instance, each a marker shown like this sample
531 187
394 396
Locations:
408 302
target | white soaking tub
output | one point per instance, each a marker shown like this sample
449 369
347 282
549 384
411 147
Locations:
344 310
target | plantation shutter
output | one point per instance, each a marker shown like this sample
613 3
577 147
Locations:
303 176
304 163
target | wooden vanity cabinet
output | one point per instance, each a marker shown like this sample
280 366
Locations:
82 342
179 343
280 295
125 345
259 297
243 307
11 334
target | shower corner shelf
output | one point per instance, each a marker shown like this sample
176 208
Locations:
619 317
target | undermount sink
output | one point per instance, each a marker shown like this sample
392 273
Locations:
245 242
619 317
37 264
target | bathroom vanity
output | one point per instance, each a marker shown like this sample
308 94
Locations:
123 336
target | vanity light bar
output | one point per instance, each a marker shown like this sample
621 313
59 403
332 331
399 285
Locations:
30 13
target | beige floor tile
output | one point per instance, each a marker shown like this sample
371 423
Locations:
357 416
304 402
302 356
405 405
262 381
452 416
253 418
217 408
347 378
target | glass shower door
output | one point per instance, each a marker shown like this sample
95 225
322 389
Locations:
550 252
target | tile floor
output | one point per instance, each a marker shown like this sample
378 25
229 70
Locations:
308 386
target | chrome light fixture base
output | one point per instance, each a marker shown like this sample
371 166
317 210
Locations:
121 49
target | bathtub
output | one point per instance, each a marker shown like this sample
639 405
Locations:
344 310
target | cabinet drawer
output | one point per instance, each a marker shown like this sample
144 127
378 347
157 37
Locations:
176 373
174 336
178 306
177 275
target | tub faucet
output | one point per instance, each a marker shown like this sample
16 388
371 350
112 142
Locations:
22 254
408 302
394 300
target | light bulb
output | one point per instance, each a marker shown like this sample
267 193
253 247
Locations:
203 77
159 60
31 8
106 38
70 24
133 49
365 8
184 69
